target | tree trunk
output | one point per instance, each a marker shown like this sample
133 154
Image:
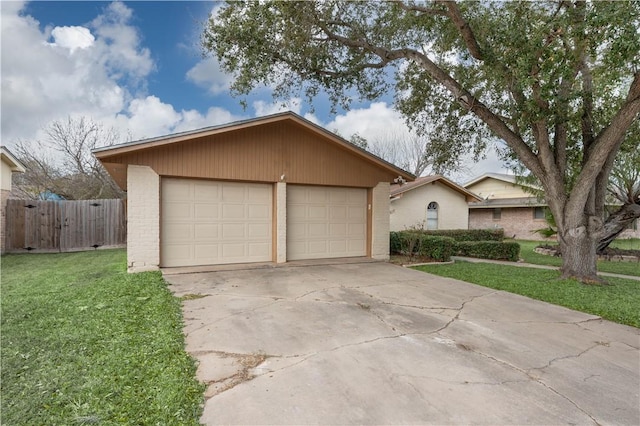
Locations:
579 258
616 223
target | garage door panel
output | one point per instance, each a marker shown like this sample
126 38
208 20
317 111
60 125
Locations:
256 193
316 195
205 211
178 191
231 193
337 229
357 214
316 230
338 212
258 230
233 211
325 222
212 222
257 249
205 232
317 212
205 191
356 230
233 231
258 211
317 247
177 211
178 231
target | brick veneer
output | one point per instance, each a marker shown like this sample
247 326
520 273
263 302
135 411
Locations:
516 221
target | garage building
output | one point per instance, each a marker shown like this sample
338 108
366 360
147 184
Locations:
271 189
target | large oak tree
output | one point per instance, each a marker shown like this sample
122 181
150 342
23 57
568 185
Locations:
557 81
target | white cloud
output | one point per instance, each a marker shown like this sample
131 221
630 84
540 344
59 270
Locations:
263 108
380 124
371 123
72 38
84 71
208 75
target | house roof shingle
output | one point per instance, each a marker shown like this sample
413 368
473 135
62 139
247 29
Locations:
397 190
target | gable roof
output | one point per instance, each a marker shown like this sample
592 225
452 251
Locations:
397 190
119 154
11 160
498 176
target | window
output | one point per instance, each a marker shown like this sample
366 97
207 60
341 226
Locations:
538 213
497 214
432 215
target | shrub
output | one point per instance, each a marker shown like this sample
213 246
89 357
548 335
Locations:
437 248
415 243
394 243
469 234
497 250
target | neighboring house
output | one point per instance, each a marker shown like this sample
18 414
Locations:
506 204
270 189
430 202
10 165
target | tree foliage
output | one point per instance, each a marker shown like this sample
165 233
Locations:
557 81
63 164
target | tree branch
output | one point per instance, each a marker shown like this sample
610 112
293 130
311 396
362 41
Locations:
606 145
429 11
465 30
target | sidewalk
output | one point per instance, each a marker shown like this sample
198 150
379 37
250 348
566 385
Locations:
531 265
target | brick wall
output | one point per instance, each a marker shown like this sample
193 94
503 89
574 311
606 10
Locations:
281 222
3 204
380 222
143 216
516 221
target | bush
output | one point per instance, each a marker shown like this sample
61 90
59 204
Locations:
437 248
469 234
414 243
496 250
394 243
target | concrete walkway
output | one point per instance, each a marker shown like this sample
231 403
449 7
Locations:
531 265
375 343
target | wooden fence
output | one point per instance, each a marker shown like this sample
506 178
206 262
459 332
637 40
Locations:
61 226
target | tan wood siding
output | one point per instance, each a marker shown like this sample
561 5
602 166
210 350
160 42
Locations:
260 154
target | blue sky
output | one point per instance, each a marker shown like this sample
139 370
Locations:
138 67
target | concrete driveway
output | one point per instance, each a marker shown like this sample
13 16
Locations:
374 343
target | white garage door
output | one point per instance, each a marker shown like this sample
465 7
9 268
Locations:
326 222
209 223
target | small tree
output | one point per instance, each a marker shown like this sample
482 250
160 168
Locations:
63 164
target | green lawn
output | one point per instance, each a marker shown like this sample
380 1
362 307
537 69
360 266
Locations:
529 256
83 342
618 302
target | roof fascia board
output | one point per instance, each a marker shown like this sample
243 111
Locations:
12 161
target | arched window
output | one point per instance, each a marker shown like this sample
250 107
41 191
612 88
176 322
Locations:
432 215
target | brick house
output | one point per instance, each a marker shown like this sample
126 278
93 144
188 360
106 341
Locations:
505 204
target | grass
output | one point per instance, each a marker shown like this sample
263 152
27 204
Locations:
529 256
618 302
83 342
626 243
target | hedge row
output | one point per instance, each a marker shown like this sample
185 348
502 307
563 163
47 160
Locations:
468 234
497 250
417 243
441 248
